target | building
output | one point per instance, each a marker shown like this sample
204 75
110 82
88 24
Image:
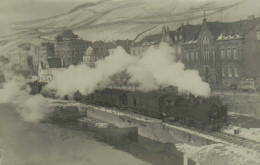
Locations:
124 44
44 74
45 68
138 48
110 47
89 57
70 48
21 57
222 52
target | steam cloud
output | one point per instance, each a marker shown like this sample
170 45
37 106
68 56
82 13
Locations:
16 91
85 79
156 68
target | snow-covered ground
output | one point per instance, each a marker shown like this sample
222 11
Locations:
220 154
248 133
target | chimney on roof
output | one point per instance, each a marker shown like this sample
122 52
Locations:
251 17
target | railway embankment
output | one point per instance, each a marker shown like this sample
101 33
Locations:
151 128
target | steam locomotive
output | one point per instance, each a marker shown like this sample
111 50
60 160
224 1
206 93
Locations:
166 104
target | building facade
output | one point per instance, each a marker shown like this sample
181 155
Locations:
70 48
223 53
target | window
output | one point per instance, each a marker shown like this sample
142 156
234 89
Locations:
223 72
229 72
197 56
236 72
258 35
187 56
192 55
235 54
213 54
229 55
206 55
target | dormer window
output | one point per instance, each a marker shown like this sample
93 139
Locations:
176 38
180 37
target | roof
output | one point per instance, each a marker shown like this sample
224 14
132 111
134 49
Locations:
186 32
151 39
68 34
97 44
220 30
110 45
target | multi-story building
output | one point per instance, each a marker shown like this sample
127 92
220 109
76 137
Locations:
70 48
20 58
222 52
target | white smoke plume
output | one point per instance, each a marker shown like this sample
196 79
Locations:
16 91
156 68
85 79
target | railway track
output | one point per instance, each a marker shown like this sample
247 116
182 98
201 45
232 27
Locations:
232 139
237 140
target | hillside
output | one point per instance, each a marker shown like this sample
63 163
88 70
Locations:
121 19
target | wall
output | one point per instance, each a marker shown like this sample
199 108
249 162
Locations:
252 53
153 129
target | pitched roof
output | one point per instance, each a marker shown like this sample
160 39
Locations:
110 45
68 34
225 30
186 32
151 39
97 44
123 43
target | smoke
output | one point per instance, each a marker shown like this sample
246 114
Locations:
156 68
16 91
85 79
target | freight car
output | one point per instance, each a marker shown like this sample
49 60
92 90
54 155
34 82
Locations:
167 104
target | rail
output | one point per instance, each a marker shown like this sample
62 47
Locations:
233 139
